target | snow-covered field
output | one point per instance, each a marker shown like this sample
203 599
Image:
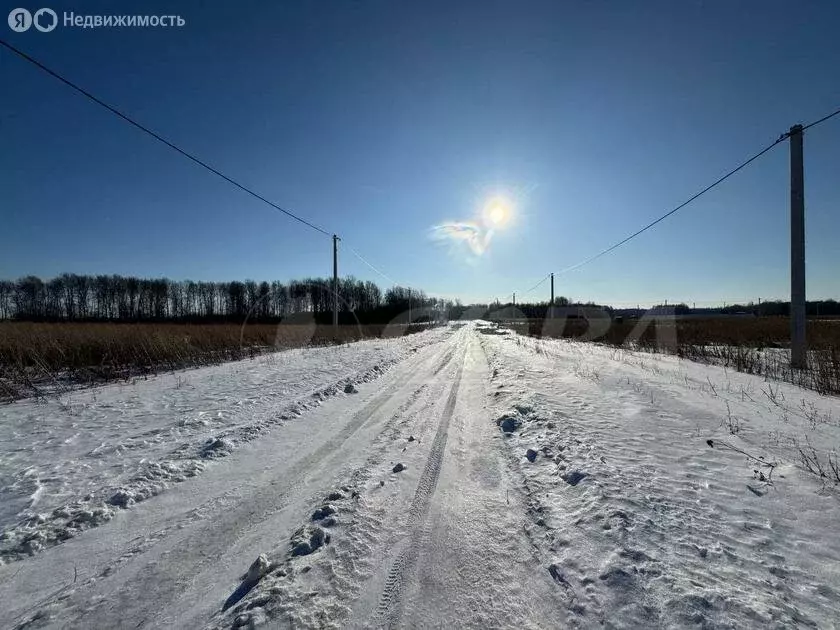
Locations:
467 478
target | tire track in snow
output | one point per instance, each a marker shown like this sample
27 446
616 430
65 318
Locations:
370 411
388 611
209 508
354 547
190 459
246 514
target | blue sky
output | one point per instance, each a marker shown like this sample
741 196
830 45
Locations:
379 120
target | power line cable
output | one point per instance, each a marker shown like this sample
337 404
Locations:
362 258
615 246
781 138
821 120
182 152
203 164
669 213
158 137
536 285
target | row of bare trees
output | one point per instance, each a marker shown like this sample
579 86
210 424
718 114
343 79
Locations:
72 297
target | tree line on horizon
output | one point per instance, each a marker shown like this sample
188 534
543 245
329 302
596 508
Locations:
770 308
75 297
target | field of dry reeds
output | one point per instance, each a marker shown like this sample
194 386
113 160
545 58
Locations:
40 357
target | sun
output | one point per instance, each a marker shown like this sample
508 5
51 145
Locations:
497 212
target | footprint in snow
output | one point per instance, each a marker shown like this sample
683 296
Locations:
574 477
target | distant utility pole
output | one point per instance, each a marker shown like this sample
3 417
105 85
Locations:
335 281
798 349
551 305
409 306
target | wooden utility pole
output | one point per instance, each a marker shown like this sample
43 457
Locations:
409 306
335 281
798 349
551 304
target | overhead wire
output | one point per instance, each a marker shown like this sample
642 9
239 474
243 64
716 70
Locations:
181 151
821 120
158 137
729 174
366 262
615 246
537 285
311 225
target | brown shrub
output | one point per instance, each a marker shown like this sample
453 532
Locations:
38 356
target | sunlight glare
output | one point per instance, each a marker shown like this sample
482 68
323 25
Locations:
497 212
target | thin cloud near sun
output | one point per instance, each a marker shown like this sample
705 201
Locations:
475 234
467 232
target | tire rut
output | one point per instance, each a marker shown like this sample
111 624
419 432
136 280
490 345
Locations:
388 610
277 497
350 561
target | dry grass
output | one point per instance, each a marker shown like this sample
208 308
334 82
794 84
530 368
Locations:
751 345
39 357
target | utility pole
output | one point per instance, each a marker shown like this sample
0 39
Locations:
335 281
409 306
798 351
551 305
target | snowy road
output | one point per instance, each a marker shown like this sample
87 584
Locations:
431 514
